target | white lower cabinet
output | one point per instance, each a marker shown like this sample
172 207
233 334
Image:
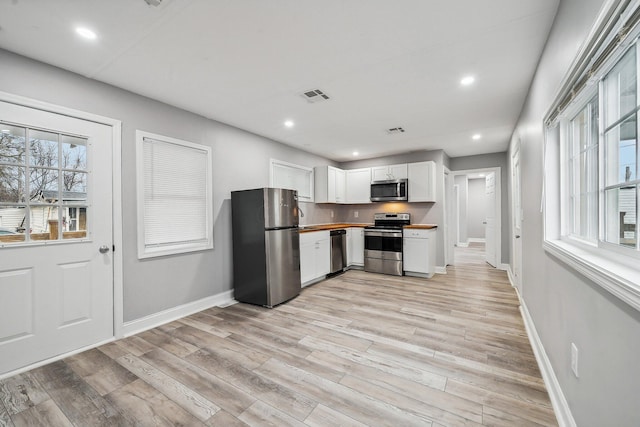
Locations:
418 252
355 246
315 261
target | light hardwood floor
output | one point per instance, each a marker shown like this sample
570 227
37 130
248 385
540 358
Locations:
357 349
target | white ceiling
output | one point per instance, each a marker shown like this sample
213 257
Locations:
383 63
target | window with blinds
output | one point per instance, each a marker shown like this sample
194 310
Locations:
174 196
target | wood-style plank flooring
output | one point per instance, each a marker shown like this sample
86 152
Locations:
359 349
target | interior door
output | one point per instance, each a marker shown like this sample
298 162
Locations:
56 269
517 221
490 227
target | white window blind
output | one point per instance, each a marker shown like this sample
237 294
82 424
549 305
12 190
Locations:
174 199
293 177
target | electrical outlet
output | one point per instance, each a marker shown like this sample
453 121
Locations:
331 214
574 359
355 214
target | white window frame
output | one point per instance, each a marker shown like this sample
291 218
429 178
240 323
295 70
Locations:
148 251
279 167
567 183
612 267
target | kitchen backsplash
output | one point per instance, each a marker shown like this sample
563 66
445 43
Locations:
321 213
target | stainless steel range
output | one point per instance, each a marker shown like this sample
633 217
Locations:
383 243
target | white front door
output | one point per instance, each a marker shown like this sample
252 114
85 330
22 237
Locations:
56 265
490 227
517 221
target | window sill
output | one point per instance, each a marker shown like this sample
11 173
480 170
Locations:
152 252
616 276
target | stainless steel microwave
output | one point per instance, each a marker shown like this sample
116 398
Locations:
390 191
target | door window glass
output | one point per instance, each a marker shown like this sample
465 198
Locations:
43 185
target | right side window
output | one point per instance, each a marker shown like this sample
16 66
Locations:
590 158
620 152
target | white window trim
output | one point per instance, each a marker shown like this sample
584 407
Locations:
615 275
306 170
149 252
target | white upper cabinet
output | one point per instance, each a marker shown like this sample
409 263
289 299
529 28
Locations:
330 186
358 185
422 181
385 173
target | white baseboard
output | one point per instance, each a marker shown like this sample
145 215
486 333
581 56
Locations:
513 282
140 325
559 402
441 270
476 240
504 267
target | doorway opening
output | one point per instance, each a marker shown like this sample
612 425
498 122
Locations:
475 217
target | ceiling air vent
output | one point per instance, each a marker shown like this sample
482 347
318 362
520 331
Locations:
394 131
315 95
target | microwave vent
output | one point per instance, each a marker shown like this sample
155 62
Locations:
315 95
394 131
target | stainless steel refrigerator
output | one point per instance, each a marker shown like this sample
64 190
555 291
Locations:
266 245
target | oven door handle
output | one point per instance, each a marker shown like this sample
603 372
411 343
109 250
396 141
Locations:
393 233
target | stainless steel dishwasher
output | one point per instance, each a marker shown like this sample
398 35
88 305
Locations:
338 250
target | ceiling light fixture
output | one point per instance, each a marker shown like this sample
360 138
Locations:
468 80
355 153
86 33
288 123
476 137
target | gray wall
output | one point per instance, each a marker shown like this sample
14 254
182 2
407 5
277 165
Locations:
421 213
240 161
476 216
491 161
565 306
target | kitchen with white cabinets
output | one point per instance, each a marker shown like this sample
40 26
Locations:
346 194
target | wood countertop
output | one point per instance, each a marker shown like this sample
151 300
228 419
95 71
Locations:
320 227
337 226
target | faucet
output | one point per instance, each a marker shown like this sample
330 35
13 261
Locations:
301 213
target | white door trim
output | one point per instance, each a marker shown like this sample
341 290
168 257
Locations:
498 204
116 125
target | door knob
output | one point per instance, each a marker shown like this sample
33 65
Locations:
104 249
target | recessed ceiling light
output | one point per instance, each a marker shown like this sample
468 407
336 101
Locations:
288 123
86 33
467 80
476 137
5 131
355 153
